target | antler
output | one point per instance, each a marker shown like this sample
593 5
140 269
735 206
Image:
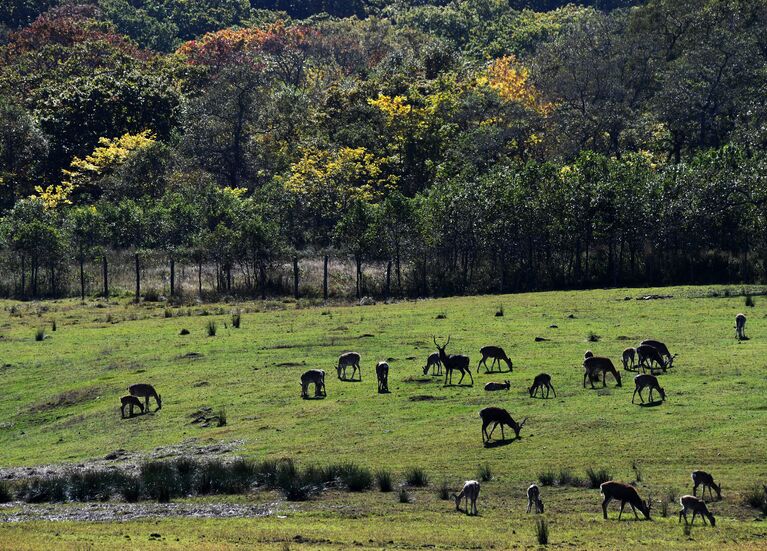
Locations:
448 341
522 424
435 341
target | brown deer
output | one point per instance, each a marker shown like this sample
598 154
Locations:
348 359
740 327
453 362
643 381
498 416
470 493
498 355
595 365
145 391
698 507
702 478
534 498
649 355
624 493
131 402
663 349
315 377
382 374
433 362
541 381
505 385
628 356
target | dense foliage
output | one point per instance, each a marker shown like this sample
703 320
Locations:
465 145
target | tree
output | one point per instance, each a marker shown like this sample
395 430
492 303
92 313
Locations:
85 228
354 233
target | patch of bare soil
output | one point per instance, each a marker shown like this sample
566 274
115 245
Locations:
425 398
66 399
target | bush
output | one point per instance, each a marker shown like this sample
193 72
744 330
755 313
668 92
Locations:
749 301
130 488
160 480
168 313
356 479
236 319
40 334
44 490
383 481
597 477
547 478
187 471
152 295
266 471
91 485
542 531
403 496
443 492
212 328
566 477
292 483
756 497
5 492
484 473
416 476
221 417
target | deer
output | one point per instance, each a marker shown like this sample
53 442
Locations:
348 359
382 374
534 498
628 356
132 402
663 349
740 327
452 363
596 364
698 507
541 381
702 478
588 354
433 362
498 355
649 355
643 381
491 386
315 377
498 416
625 493
470 493
145 391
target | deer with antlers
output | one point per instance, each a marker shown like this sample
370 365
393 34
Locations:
649 355
625 493
498 416
315 377
740 327
643 381
698 507
541 381
596 365
498 355
382 374
433 362
143 390
348 359
534 498
453 362
702 478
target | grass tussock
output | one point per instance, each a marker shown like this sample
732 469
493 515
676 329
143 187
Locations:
597 477
6 495
484 472
749 301
236 320
212 328
592 337
541 531
403 496
547 478
40 334
756 497
383 481
443 492
51 489
356 478
417 477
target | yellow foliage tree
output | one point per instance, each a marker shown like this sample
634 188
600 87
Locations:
511 81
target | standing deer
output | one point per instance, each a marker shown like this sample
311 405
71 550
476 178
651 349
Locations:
498 416
624 493
315 377
498 355
698 507
643 381
663 349
453 362
433 362
534 498
132 402
348 359
470 493
628 356
594 366
740 327
649 355
541 381
505 385
145 391
382 374
702 478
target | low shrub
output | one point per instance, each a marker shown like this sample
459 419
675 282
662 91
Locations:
212 328
383 481
416 476
756 497
130 488
5 492
236 320
160 480
403 496
49 489
597 477
547 478
355 478
443 492
91 485
40 334
566 477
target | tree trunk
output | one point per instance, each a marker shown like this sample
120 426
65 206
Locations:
388 278
358 261
23 276
399 270
53 280
295 277
262 278
82 278
325 278
105 269
172 277
34 278
199 278
138 278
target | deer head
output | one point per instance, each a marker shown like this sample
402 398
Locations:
518 426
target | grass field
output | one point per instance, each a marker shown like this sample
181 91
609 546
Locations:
61 405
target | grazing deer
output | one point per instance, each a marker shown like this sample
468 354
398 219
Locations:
624 493
498 416
534 498
595 365
132 402
382 374
433 362
453 362
315 377
628 356
541 381
740 327
698 507
643 381
505 385
702 478
663 349
498 355
348 359
649 355
470 493
145 391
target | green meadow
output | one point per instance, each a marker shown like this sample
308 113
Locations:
60 404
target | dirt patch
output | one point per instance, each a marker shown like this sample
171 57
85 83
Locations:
67 399
425 398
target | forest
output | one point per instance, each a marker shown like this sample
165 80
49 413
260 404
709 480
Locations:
435 147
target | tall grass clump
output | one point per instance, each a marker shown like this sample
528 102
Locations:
756 497
160 480
91 485
54 326
566 477
443 492
484 472
383 481
5 492
129 487
597 477
356 478
236 320
292 483
416 476
403 496
542 531
637 471
40 334
221 417
168 313
592 337
499 311
212 328
547 478
50 489
749 301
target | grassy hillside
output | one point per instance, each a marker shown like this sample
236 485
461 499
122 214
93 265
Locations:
61 404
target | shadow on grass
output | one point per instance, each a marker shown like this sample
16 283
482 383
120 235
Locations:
320 397
654 403
500 443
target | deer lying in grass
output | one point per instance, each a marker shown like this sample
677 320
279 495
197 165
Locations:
541 381
702 478
315 377
628 356
348 359
498 416
382 374
505 385
453 362
740 327
698 507
534 498
643 381
663 349
595 365
624 493
145 391
649 355
469 493
132 402
498 355
433 362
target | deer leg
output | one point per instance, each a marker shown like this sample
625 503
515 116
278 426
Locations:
552 390
634 395
605 502
503 435
529 504
463 374
623 504
470 377
635 511
694 512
